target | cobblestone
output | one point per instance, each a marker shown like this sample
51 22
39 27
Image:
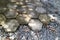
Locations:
33 20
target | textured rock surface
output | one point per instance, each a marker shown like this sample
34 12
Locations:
35 24
11 25
2 19
29 19
44 18
23 18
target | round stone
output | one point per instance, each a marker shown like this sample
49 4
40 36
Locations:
3 9
12 6
33 14
22 9
2 19
38 3
44 18
11 13
31 5
40 10
28 1
44 1
11 25
35 24
3 3
13 0
23 18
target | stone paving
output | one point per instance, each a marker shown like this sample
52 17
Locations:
30 20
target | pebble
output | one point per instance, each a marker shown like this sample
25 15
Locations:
23 18
11 6
13 0
44 18
11 13
11 25
40 10
31 5
33 14
35 24
22 9
38 3
2 19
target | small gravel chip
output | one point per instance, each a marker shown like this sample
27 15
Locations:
35 24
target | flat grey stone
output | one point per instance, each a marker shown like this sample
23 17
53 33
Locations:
11 14
40 10
35 24
11 25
